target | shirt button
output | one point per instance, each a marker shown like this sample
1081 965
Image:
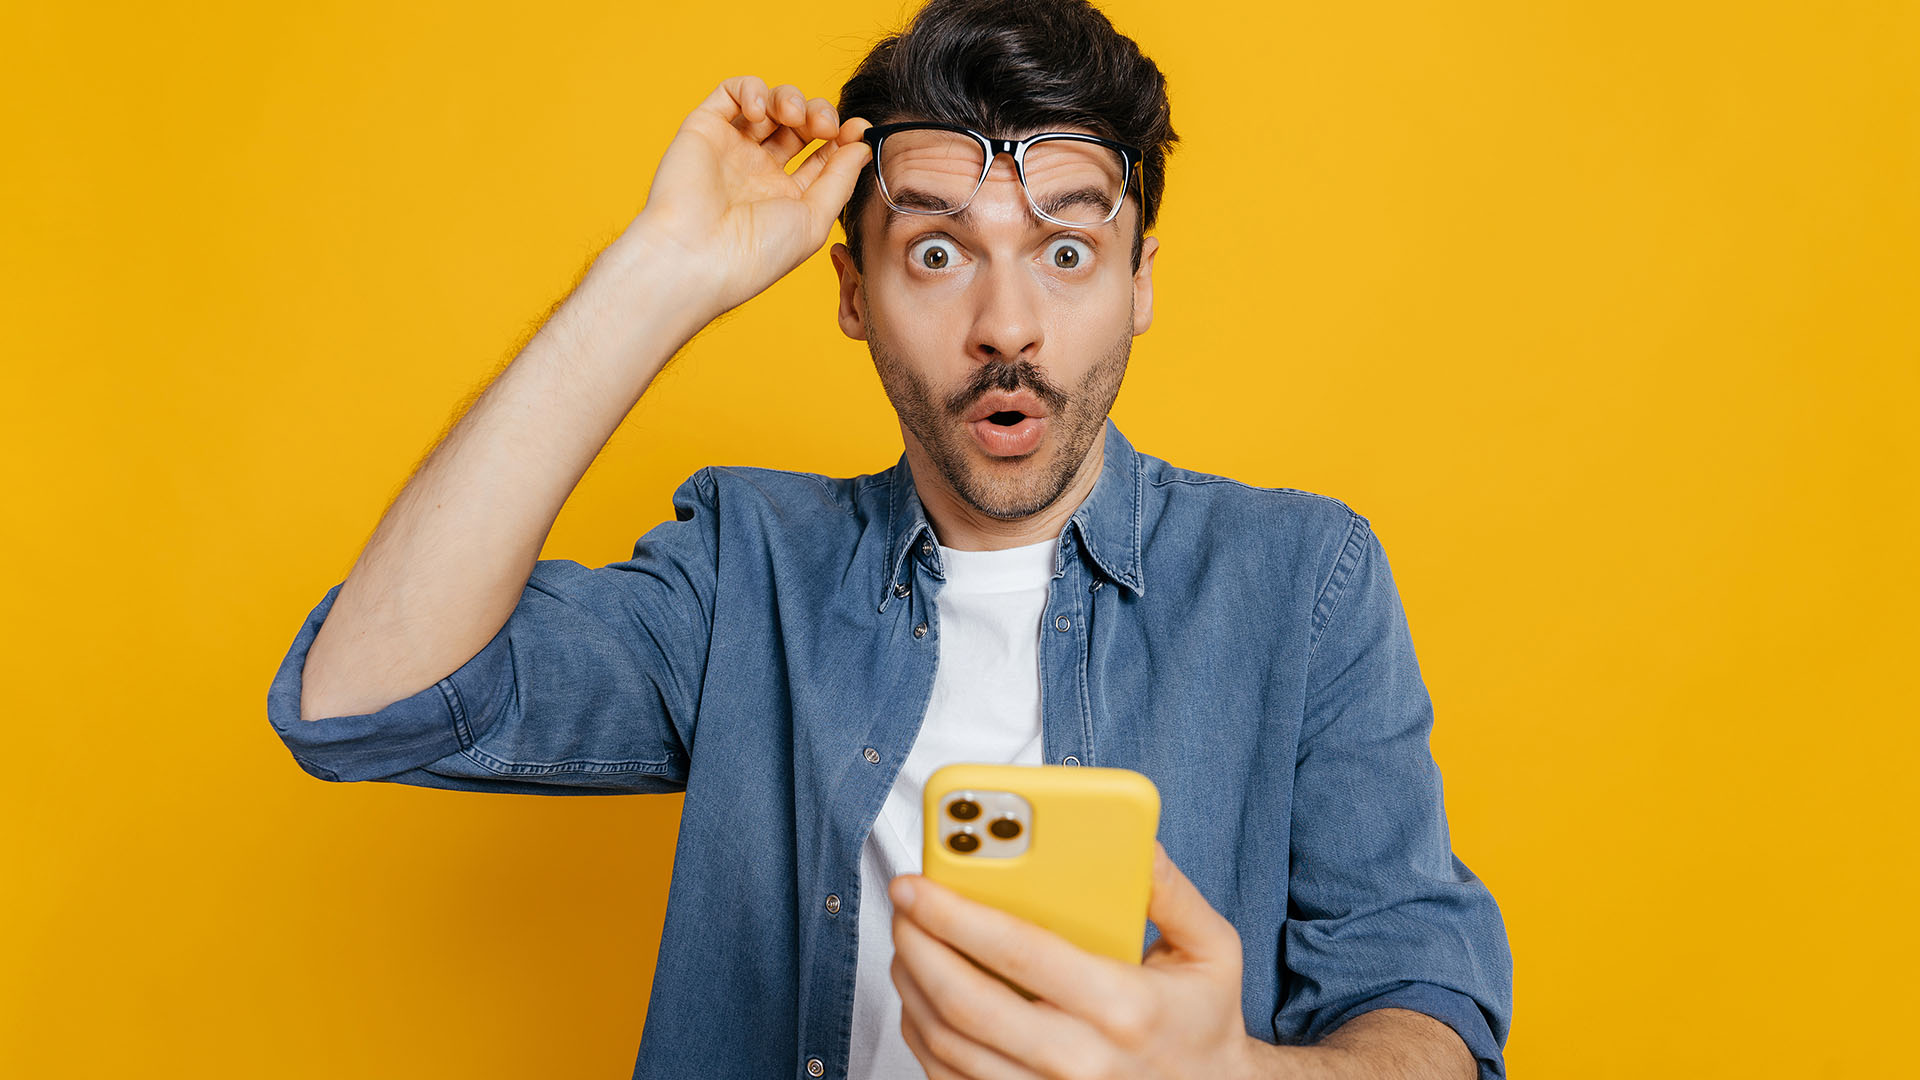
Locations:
833 903
815 1068
902 589
920 631
872 755
1063 623
1069 760
1095 587
926 547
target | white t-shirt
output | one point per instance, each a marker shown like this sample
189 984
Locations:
986 708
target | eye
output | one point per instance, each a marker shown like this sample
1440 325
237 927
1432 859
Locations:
934 253
1068 254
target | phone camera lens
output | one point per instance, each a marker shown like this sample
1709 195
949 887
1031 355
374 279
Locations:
964 842
964 809
1006 828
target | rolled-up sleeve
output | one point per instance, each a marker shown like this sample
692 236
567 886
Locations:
1380 912
591 686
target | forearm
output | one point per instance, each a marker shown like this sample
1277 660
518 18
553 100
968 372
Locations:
450 558
1384 1044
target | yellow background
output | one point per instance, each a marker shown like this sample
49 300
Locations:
1604 313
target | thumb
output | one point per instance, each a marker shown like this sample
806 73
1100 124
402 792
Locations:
828 190
1188 924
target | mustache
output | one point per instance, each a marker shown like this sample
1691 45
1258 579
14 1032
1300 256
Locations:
1008 376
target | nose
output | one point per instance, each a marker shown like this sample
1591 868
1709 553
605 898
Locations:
1008 300
1007 319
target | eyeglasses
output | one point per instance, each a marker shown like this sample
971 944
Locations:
1069 178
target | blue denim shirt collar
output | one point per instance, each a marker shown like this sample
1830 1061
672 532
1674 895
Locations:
1107 521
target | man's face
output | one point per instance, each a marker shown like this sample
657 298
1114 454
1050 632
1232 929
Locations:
1000 337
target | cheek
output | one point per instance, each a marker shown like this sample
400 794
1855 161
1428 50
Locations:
918 319
1094 310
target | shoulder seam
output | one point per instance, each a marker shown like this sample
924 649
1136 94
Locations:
1207 478
821 481
1334 589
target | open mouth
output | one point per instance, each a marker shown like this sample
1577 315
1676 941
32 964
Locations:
1008 433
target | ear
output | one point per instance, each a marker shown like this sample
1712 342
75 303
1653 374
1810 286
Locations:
1143 286
853 297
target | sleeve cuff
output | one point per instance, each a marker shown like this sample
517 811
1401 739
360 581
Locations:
1450 1007
407 734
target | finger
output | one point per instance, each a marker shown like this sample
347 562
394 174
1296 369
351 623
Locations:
828 186
1100 989
783 144
786 111
743 96
980 1007
822 122
749 99
818 121
757 130
933 1066
938 1045
762 129
928 1063
846 134
809 170
1189 925
788 106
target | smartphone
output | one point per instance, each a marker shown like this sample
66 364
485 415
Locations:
1069 848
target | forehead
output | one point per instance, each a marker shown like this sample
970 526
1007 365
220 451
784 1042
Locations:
931 177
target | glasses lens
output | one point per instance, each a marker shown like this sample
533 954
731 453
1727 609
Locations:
1070 180
931 171
1075 182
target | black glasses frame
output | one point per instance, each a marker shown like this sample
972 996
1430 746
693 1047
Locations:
876 137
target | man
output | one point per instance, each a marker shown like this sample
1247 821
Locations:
798 652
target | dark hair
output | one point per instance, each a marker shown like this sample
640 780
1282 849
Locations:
1006 67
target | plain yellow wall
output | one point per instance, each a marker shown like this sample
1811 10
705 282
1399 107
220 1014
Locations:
1604 313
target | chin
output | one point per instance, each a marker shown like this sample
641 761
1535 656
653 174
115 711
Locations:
1011 488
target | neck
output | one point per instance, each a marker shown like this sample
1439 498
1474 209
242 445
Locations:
967 529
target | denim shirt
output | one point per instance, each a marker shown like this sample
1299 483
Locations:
771 651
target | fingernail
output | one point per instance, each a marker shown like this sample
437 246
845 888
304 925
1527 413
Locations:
902 894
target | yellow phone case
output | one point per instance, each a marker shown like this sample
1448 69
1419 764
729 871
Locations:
1088 870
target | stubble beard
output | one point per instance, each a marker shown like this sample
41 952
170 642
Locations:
1015 490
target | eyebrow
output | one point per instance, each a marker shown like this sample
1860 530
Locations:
1053 204
1093 197
920 200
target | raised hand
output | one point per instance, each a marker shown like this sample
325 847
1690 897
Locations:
722 199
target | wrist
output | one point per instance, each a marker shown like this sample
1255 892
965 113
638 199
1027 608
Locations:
650 263
640 301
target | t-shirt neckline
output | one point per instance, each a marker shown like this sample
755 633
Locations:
1006 570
